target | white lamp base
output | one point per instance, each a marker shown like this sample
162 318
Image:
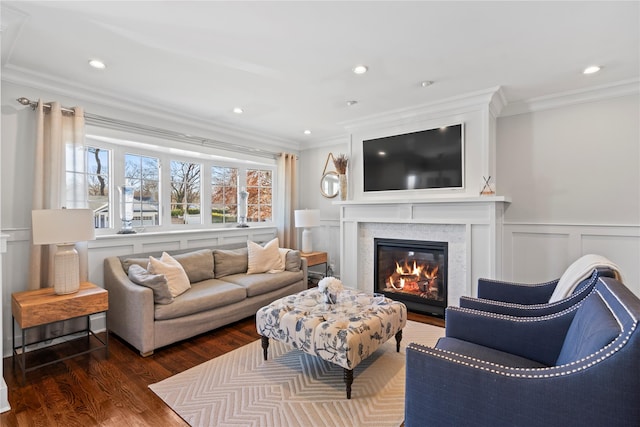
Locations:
306 240
66 266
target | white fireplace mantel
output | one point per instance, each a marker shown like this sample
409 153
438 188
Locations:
472 225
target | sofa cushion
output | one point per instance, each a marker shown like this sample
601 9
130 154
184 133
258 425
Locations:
262 259
157 283
202 296
480 352
197 264
592 328
230 261
176 277
261 283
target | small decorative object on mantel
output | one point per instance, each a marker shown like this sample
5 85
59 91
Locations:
330 287
486 188
340 162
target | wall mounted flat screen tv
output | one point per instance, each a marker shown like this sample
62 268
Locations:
425 159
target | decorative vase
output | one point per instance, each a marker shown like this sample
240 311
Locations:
343 186
329 297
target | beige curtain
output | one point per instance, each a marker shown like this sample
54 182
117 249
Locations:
288 191
59 180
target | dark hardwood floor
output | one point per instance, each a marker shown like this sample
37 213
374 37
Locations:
92 390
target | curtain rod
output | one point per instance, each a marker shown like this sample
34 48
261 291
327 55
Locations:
154 131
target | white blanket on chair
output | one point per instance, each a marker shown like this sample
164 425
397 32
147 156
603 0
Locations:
578 271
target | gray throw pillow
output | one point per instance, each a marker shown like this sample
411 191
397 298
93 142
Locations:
229 262
127 263
292 262
197 264
157 282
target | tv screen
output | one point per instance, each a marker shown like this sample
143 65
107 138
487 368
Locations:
419 160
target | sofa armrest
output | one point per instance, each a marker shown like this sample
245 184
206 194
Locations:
305 270
131 307
535 338
519 293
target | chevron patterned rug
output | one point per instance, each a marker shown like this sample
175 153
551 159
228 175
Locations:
293 388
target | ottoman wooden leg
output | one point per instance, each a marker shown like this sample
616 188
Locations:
348 380
265 346
398 339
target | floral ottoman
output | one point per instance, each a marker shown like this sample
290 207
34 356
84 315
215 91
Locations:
344 333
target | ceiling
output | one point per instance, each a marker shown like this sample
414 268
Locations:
289 64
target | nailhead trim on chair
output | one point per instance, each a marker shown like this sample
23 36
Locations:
525 306
579 365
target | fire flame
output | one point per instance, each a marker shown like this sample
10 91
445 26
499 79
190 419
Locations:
407 277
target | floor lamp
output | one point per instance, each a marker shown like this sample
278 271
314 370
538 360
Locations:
64 228
306 219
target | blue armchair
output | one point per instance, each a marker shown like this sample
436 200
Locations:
518 299
578 367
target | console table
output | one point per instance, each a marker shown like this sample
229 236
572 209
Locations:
40 307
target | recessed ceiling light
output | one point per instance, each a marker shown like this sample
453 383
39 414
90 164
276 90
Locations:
96 63
350 103
360 69
591 69
238 110
307 132
426 83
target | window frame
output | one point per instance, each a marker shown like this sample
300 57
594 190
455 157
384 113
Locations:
166 151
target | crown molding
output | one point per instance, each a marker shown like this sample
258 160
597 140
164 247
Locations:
326 142
221 132
458 104
563 99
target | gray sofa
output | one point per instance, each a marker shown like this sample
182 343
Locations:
221 293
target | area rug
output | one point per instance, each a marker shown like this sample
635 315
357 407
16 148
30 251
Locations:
293 388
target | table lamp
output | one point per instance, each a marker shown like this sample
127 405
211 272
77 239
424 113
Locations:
64 228
306 219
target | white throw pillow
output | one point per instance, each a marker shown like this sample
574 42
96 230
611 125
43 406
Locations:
177 278
264 259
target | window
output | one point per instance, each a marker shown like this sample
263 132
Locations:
185 193
98 185
259 187
168 186
224 194
142 175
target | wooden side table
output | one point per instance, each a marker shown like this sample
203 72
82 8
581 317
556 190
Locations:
316 258
39 307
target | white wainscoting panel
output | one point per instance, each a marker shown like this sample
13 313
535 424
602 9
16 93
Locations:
541 252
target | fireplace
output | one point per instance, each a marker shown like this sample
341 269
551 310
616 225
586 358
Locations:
413 272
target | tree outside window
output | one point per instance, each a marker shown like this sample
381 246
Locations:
142 173
98 185
185 193
260 189
224 194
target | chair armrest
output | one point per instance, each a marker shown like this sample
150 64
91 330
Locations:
448 389
519 293
131 307
532 310
535 338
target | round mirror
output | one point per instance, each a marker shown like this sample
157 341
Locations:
329 184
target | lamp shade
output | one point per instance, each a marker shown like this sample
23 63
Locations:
306 218
55 226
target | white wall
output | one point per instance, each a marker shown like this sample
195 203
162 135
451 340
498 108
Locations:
326 237
573 174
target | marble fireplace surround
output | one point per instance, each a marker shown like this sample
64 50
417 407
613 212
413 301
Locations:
471 225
